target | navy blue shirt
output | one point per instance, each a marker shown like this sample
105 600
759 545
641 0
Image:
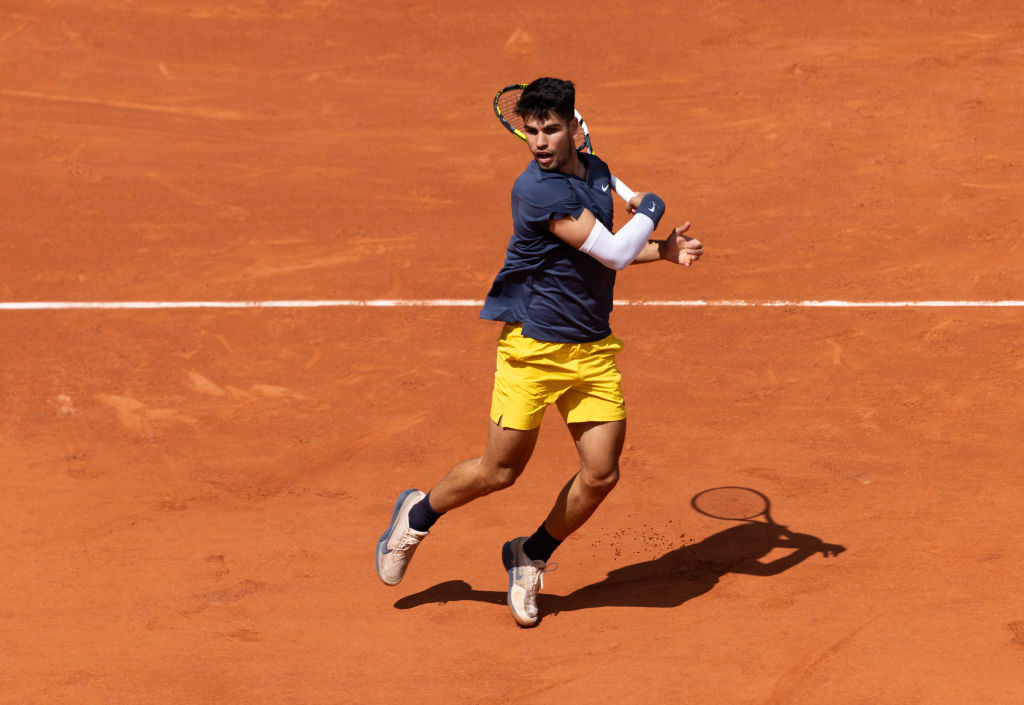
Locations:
558 293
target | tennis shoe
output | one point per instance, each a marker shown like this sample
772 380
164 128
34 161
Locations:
399 542
525 580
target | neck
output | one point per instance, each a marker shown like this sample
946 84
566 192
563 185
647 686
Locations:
575 167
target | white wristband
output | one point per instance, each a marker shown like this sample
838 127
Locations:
625 192
619 250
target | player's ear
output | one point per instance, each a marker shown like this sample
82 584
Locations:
574 126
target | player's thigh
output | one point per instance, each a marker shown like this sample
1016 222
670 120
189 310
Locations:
599 444
509 449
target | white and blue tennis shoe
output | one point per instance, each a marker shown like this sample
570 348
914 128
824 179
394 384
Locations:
399 542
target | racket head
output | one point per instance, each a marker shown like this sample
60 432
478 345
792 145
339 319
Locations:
505 109
732 503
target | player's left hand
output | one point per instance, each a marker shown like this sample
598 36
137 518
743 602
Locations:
681 249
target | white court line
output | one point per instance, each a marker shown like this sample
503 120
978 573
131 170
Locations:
471 303
832 304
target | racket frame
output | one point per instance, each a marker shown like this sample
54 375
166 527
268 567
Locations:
766 512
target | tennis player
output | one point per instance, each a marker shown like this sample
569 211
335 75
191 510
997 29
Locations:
554 294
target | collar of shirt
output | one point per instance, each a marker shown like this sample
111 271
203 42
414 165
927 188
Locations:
543 175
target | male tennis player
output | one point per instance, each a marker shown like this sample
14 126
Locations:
554 294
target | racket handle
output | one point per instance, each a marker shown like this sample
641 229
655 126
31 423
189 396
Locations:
625 192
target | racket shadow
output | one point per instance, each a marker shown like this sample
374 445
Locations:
670 580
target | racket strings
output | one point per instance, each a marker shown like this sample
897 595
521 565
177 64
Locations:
580 139
506 103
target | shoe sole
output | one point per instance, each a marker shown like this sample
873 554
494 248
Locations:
382 544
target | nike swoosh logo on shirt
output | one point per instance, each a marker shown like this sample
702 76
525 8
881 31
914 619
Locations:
605 187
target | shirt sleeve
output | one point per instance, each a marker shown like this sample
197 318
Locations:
541 202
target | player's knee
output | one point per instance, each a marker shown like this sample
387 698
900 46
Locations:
601 482
502 476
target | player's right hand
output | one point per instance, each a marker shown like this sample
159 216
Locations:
634 202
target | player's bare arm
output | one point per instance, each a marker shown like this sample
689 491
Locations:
574 231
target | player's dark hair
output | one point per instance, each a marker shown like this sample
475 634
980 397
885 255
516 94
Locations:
546 96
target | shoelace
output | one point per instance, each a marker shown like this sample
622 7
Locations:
539 581
407 543
549 568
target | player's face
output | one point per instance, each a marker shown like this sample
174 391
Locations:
550 140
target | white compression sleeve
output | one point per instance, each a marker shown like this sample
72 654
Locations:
619 250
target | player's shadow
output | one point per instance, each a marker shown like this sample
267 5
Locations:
667 581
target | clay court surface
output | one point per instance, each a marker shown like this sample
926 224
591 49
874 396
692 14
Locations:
190 497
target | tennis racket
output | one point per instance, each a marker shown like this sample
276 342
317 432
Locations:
733 503
505 108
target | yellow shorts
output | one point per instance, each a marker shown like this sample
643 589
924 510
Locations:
581 378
